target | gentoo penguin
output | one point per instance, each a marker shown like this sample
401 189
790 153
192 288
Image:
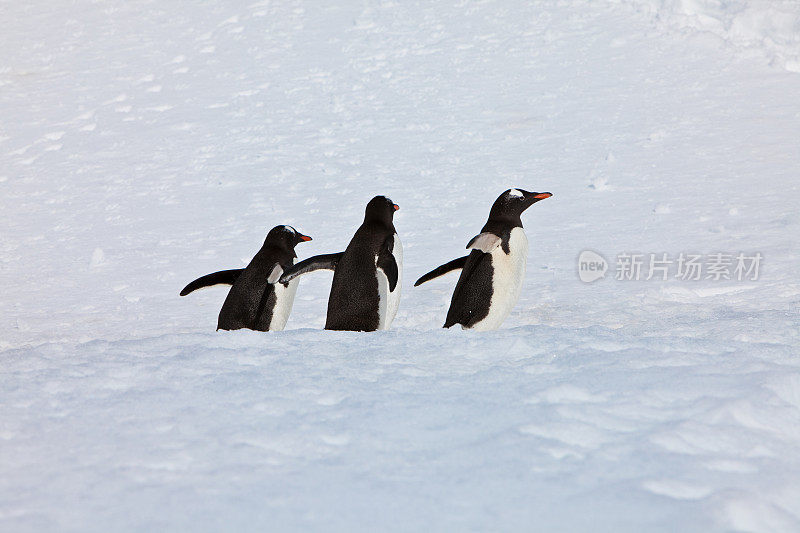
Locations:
257 300
493 272
365 292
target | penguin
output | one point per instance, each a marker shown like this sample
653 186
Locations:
257 300
493 272
367 276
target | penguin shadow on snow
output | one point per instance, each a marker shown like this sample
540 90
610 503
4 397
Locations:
492 274
258 300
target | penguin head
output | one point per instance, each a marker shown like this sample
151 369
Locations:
380 209
510 205
285 237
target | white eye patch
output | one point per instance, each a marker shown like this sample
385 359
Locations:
515 192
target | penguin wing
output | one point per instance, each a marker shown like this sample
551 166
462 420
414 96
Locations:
317 262
386 262
223 277
275 275
473 291
455 264
259 322
486 242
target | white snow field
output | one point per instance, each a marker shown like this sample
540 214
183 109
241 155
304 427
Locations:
143 144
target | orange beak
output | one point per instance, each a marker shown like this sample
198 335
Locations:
305 238
396 207
543 195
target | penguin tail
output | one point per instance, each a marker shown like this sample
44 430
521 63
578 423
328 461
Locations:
451 319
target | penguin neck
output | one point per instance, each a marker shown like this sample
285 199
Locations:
278 250
504 220
380 221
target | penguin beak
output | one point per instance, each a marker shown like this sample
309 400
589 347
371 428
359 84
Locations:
396 207
533 197
304 238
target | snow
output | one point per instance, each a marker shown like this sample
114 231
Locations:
143 145
769 28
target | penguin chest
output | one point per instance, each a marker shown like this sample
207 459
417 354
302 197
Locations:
284 299
389 301
507 277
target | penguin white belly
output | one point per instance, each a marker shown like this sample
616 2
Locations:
389 301
284 299
507 278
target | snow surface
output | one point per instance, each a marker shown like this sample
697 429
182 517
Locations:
770 28
143 144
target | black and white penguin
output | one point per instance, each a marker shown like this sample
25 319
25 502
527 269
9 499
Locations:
493 272
257 299
367 276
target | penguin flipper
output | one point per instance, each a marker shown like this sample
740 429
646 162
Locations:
223 277
387 262
455 264
470 292
486 242
275 275
317 262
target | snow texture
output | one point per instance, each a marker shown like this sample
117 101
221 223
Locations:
770 28
144 144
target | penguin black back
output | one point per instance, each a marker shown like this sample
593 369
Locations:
354 300
474 285
256 300
252 301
